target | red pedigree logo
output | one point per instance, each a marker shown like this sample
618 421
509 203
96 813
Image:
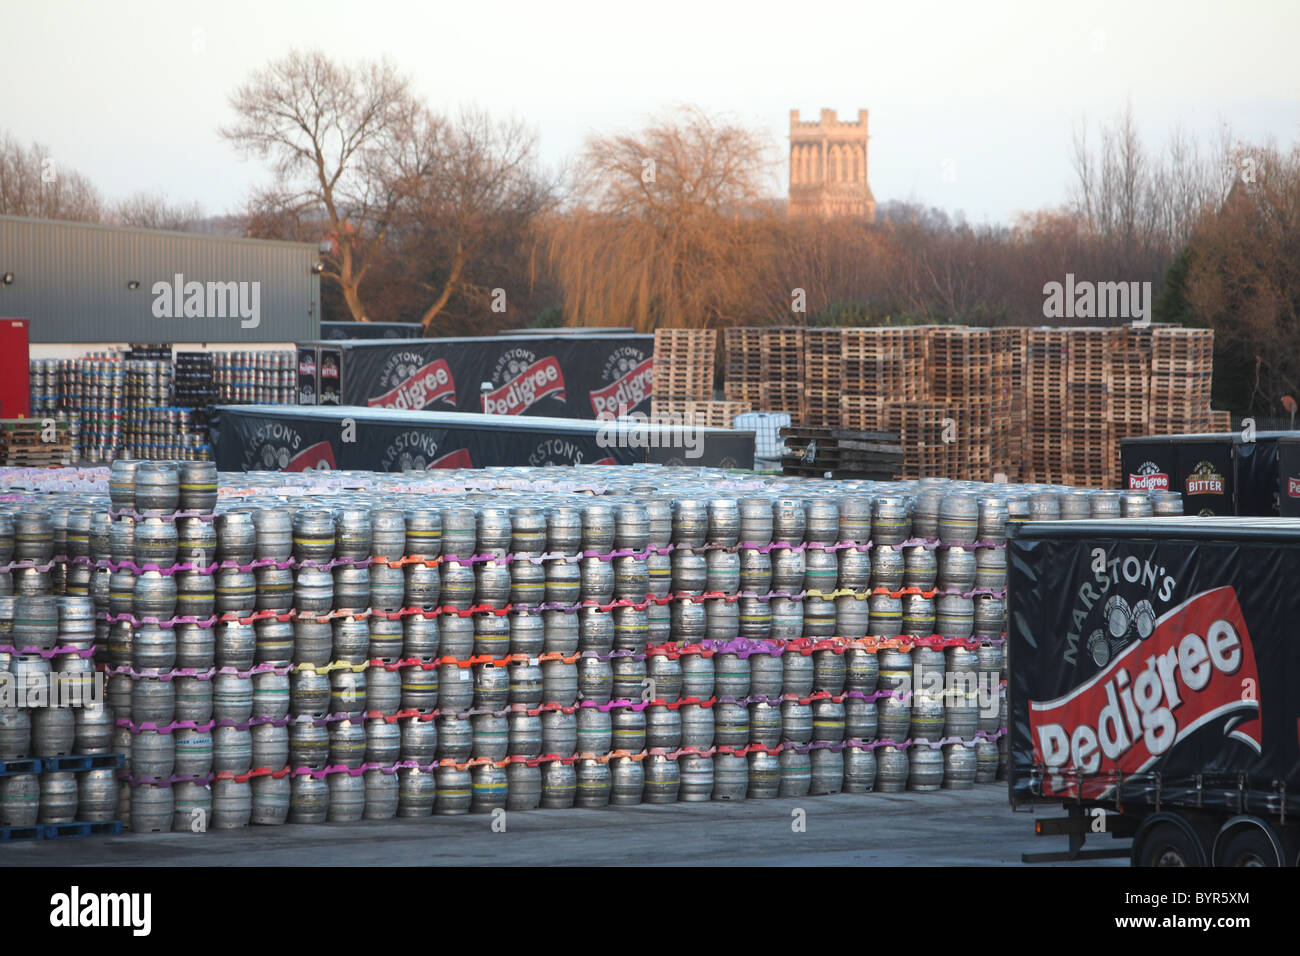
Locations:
422 387
628 392
1197 666
534 383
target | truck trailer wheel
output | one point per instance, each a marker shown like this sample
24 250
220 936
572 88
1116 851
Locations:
1167 840
1251 846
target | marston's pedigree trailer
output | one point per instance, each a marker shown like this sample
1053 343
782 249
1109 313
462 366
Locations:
1154 686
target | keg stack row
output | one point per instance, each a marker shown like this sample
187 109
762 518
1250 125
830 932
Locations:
56 761
350 646
265 376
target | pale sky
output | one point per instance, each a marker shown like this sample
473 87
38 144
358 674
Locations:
131 93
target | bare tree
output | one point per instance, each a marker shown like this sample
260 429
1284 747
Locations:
153 211
33 184
663 227
344 143
484 187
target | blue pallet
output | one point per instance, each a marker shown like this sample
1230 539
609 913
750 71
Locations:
13 834
63 831
26 765
77 762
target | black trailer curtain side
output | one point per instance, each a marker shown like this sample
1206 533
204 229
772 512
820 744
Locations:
1154 662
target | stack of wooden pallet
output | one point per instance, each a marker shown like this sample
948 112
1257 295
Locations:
1129 391
1087 439
928 432
1182 362
1008 392
1047 362
881 364
23 443
1220 421
1044 404
714 414
781 356
823 377
683 369
841 453
961 376
743 365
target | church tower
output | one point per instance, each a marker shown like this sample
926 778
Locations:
828 167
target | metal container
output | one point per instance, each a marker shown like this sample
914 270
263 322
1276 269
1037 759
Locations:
232 749
269 745
35 622
381 795
387 587
96 796
419 739
593 783
271 799
309 799
956 569
891 769
796 773
662 779
958 767
455 737
730 777
559 785
924 768
827 771
698 675
309 744
347 798
830 671
560 732
423 533
859 770
524 787
595 731
155 542
152 808
347 743
157 486
54 731
696 776
58 797
93 729
887 568
192 752
313 532
894 716
627 781
698 726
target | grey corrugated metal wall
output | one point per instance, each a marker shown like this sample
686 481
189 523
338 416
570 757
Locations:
71 280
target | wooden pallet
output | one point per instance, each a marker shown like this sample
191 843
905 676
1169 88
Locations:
714 414
22 443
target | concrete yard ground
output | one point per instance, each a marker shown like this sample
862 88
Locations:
971 828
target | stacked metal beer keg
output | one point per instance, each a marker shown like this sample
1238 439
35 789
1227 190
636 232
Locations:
344 646
54 725
263 376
